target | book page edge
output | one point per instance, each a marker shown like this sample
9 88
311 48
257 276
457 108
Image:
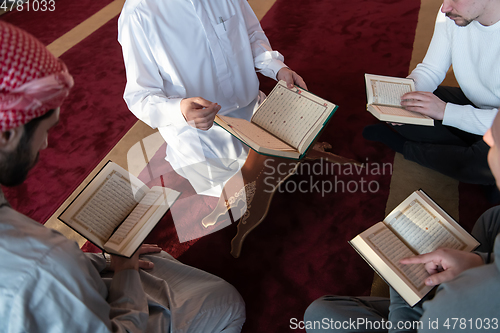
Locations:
387 272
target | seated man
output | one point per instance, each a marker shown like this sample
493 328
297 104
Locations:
47 283
186 61
469 284
469 39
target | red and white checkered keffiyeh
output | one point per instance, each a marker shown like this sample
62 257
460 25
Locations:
32 80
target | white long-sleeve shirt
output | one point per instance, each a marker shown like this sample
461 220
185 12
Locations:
175 49
474 52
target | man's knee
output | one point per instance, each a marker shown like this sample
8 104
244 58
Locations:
490 219
330 309
236 302
487 228
318 309
225 302
221 309
346 314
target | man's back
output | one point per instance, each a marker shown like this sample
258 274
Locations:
46 282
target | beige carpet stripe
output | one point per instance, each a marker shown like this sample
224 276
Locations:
261 7
84 29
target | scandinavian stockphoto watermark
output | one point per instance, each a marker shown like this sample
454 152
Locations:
358 178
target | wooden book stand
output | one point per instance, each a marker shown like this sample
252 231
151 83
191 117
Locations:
249 204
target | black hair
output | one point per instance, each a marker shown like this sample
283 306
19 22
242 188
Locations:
31 126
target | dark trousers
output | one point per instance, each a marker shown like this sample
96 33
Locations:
448 150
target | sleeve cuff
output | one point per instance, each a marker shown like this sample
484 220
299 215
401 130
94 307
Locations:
275 66
454 114
469 119
176 117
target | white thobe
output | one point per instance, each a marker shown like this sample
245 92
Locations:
175 49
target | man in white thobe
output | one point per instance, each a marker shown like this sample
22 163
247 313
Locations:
186 61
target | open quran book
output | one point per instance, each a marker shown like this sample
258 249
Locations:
384 100
416 226
116 211
284 125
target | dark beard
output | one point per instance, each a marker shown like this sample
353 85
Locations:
16 165
464 24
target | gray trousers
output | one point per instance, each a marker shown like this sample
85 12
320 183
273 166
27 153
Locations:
371 314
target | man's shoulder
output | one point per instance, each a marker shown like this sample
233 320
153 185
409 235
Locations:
14 224
140 11
25 243
129 8
132 7
34 256
40 271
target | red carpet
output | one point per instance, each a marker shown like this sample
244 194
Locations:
49 25
300 252
472 204
94 118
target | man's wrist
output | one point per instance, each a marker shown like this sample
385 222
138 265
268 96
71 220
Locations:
276 66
